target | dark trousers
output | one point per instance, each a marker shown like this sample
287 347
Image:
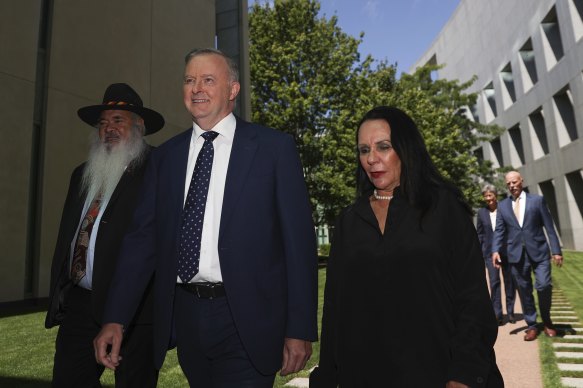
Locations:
495 286
523 277
74 363
210 351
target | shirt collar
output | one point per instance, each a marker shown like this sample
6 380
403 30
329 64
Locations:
225 128
522 196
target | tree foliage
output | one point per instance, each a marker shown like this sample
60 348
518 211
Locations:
305 73
308 79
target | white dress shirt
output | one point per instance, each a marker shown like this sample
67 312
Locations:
493 219
209 269
522 201
87 280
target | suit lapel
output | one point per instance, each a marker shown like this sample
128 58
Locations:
242 154
527 209
126 180
176 170
486 219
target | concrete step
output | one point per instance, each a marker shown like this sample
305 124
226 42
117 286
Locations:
572 382
573 336
568 345
300 382
570 367
578 355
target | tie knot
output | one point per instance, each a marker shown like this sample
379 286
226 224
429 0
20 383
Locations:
210 135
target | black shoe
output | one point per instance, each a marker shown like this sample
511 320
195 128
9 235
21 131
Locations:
500 321
511 318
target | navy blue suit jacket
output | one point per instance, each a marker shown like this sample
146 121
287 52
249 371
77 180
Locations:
530 236
267 244
486 234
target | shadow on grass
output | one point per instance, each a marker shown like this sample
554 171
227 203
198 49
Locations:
21 307
565 329
22 382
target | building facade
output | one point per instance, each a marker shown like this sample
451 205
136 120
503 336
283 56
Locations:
527 57
59 55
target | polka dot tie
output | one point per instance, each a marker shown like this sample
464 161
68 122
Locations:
193 213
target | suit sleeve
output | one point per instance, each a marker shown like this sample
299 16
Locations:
299 237
136 261
550 228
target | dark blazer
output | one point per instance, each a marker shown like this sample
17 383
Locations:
486 234
410 307
113 226
267 245
530 236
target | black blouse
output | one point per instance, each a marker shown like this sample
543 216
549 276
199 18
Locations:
410 307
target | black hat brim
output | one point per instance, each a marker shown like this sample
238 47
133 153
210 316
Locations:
153 121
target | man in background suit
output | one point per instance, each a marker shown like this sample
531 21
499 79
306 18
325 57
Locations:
99 207
522 218
225 225
486 222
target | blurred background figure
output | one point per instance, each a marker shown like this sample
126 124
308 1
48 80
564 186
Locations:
486 224
520 222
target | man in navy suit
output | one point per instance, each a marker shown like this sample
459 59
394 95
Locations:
522 218
250 308
486 222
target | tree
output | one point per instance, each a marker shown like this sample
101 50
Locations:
439 108
307 79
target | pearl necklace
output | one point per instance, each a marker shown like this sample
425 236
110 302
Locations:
385 197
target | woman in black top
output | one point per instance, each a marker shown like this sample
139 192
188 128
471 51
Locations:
406 302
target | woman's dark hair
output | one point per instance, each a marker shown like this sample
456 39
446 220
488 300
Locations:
419 176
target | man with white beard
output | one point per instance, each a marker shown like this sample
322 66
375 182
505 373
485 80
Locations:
97 212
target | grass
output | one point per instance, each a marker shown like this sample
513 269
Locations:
26 359
569 281
27 348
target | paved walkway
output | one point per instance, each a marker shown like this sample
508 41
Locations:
519 360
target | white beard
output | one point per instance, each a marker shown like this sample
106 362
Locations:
105 166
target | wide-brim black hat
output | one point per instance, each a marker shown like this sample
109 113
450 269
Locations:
122 97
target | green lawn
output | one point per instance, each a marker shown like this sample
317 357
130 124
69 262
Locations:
27 347
569 281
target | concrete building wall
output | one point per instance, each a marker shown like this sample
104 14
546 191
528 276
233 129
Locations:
89 46
527 58
17 93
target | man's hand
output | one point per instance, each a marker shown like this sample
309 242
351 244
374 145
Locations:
110 334
558 260
496 260
296 353
455 384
